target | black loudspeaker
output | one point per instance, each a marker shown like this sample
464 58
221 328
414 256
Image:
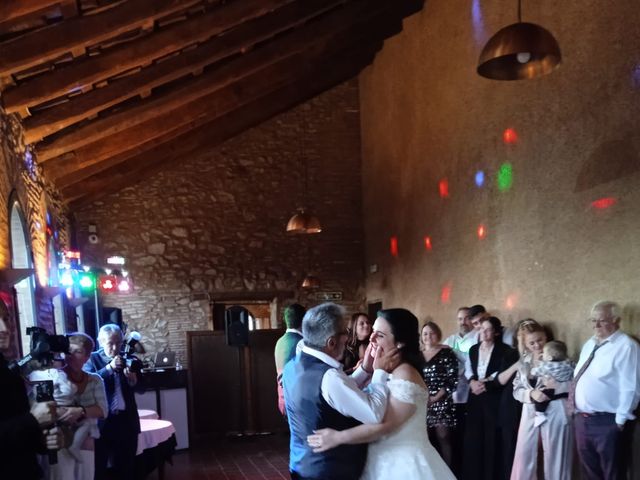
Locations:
236 322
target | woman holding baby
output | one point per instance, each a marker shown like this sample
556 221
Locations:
542 381
81 400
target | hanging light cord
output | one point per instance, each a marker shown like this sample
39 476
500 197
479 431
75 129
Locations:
519 11
305 159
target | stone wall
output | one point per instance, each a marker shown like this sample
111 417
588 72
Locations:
212 227
549 251
21 179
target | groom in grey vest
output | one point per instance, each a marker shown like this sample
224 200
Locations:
318 394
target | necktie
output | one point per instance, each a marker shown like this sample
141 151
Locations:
571 399
117 400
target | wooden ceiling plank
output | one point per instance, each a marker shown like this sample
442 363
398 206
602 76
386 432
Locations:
214 133
45 44
193 114
143 51
84 106
208 82
15 9
230 90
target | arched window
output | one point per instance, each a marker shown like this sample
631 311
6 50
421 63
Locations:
21 258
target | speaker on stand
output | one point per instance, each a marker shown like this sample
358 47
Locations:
236 320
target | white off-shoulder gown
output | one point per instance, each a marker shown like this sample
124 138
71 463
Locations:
406 454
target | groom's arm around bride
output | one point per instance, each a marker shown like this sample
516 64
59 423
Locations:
318 394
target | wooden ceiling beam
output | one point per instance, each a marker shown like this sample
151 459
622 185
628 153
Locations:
91 103
46 44
324 76
224 99
15 9
235 41
204 95
86 71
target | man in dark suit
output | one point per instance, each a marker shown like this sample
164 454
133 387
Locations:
286 345
118 440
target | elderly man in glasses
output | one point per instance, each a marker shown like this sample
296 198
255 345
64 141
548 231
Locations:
604 394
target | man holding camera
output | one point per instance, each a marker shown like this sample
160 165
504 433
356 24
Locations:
24 432
118 440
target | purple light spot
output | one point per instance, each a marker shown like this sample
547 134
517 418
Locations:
635 77
478 23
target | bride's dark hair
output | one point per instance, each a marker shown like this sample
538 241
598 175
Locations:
404 326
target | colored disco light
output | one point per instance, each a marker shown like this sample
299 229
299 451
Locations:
86 281
108 283
505 177
482 232
66 279
445 293
509 136
393 246
479 178
427 243
443 188
124 286
604 203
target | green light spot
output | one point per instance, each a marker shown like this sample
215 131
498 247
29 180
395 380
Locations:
505 177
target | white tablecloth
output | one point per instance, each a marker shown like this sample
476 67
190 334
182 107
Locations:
147 414
153 432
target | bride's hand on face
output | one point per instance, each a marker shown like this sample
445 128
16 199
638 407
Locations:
386 360
324 439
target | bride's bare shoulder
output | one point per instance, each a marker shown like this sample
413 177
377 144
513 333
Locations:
405 371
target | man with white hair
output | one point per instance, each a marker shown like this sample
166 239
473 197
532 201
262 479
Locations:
318 394
118 440
604 393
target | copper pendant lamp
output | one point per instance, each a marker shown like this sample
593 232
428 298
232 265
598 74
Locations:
310 282
519 51
303 222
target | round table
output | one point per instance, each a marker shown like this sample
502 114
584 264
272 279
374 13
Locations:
147 414
153 432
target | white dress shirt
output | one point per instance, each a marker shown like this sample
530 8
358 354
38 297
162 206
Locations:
344 393
611 382
461 344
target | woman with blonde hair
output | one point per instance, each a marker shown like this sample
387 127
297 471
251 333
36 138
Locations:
555 434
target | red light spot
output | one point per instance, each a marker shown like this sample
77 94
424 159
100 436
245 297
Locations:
393 246
445 293
511 301
604 203
443 187
427 243
509 136
482 232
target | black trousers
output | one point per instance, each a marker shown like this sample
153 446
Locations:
117 444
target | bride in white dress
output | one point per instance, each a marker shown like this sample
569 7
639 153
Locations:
399 446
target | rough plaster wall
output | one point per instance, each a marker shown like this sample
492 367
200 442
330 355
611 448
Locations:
426 115
214 224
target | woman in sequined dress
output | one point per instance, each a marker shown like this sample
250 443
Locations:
440 373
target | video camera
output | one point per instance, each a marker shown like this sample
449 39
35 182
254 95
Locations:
43 347
129 347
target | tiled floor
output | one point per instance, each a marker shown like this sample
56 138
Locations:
247 458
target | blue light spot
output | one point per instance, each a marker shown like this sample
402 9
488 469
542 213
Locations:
479 178
478 22
635 78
